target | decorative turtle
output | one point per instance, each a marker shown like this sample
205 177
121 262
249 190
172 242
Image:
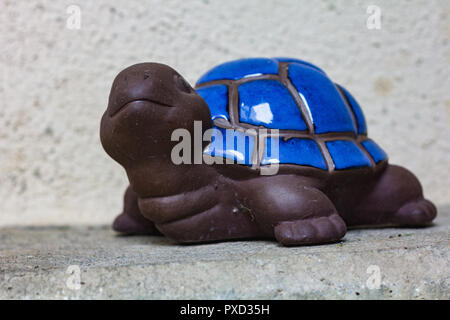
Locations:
330 174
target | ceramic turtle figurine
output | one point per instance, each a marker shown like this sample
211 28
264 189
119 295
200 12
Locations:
330 175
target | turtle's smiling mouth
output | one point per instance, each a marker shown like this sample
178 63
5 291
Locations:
116 110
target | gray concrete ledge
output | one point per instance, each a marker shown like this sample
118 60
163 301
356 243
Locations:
411 263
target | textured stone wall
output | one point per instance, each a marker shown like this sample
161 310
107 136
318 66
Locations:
55 81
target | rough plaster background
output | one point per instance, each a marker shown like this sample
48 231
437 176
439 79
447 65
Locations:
55 83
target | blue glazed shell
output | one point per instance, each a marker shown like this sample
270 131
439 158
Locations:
320 123
260 102
216 96
299 151
238 69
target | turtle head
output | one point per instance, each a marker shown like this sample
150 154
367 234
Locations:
148 101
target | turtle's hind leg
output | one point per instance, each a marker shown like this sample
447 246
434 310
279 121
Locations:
396 199
131 221
295 212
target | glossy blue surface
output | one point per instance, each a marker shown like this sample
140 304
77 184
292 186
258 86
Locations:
230 144
346 154
294 151
374 150
292 60
238 69
216 97
269 103
328 109
361 121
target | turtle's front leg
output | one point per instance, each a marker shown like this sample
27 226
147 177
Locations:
294 211
131 221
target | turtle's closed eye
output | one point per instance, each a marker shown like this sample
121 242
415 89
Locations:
182 84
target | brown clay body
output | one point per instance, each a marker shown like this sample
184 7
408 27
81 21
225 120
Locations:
193 203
